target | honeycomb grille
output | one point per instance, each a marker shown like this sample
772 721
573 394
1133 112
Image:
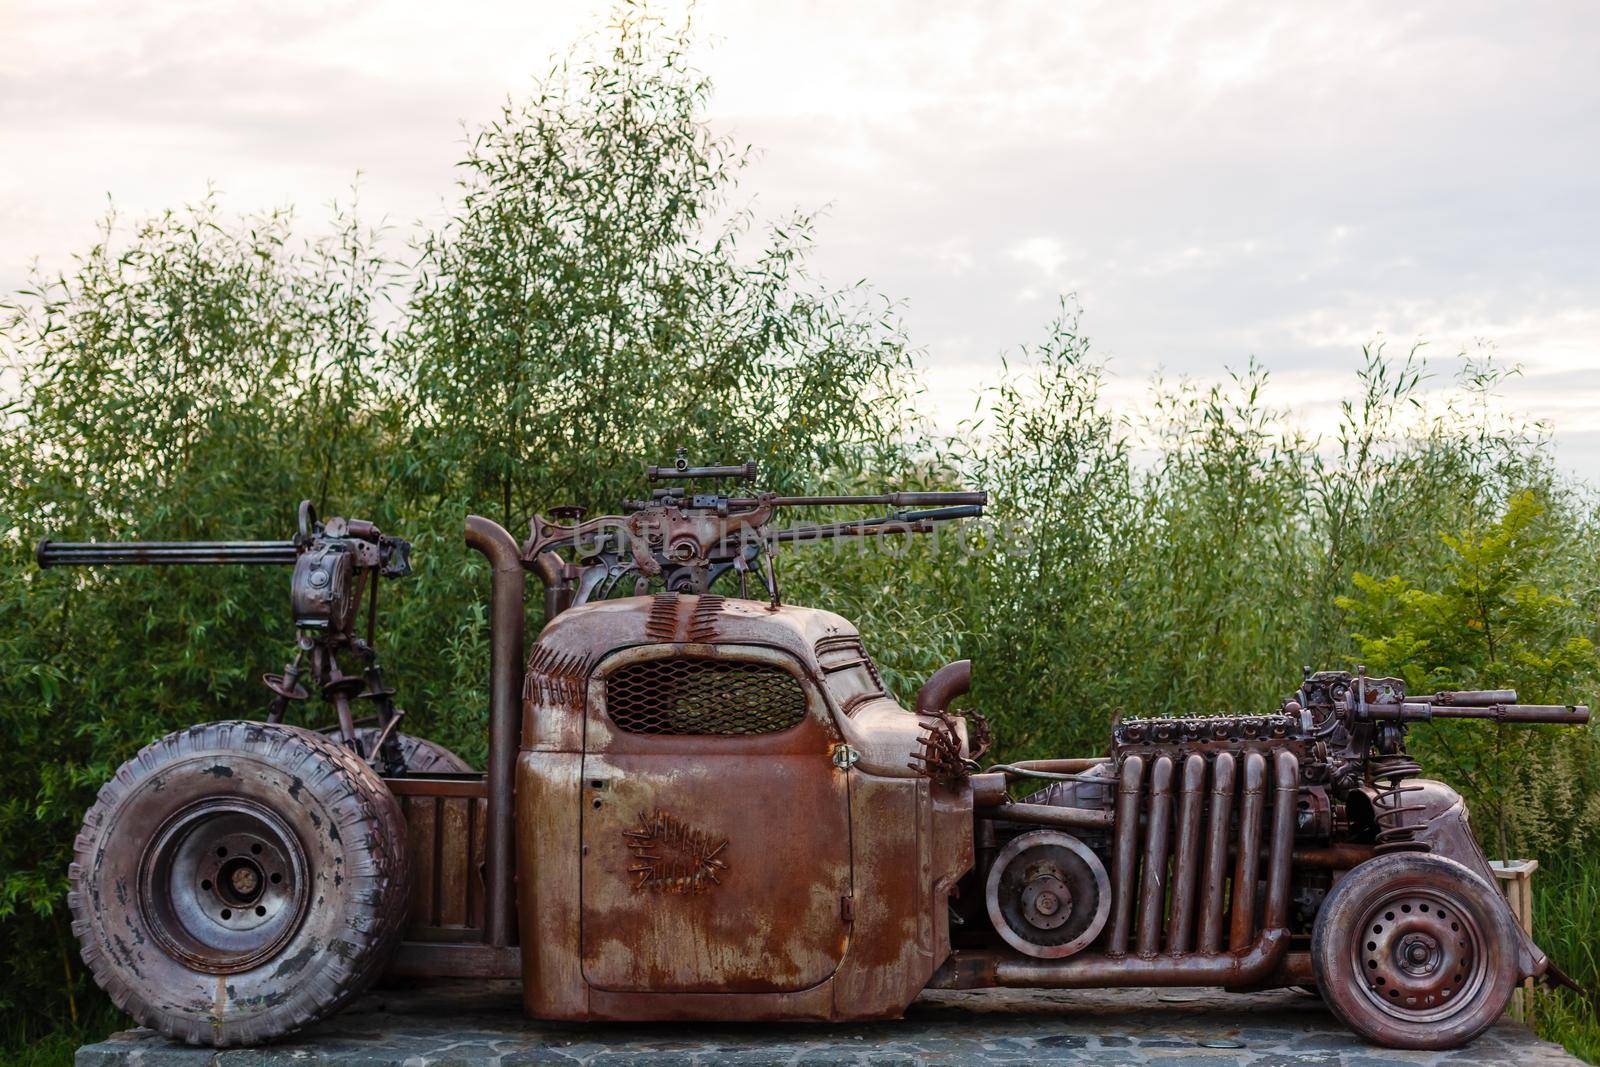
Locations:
703 696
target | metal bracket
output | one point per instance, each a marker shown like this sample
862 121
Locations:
845 757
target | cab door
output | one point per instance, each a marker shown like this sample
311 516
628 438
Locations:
716 829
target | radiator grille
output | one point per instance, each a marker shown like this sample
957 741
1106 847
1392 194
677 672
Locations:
685 695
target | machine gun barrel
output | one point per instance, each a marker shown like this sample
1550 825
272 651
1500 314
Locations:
1467 698
158 553
1561 714
898 500
1421 711
901 522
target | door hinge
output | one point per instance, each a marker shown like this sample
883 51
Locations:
847 908
844 757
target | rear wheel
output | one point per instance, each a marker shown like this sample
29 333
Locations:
421 755
1413 950
237 880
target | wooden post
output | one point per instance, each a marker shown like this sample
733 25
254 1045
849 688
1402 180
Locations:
1516 882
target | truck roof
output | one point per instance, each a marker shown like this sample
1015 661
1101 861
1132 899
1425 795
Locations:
591 630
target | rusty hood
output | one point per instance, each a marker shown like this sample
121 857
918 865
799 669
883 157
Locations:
582 635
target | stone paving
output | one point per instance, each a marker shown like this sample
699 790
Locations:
479 1024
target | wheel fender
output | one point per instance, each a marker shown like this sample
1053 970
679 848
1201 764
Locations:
1443 825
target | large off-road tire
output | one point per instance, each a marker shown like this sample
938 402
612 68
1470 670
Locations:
237 880
422 756
1413 950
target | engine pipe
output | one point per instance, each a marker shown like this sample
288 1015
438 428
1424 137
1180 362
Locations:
1153 882
1186 863
558 590
1063 818
1214 881
1124 854
1254 800
1244 965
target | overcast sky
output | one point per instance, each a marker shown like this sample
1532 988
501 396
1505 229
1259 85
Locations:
1214 180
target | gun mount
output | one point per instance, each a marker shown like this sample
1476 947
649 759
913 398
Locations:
336 564
684 540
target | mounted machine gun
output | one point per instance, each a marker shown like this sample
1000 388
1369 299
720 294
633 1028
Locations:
683 539
336 564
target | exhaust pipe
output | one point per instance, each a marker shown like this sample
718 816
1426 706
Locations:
557 589
506 620
943 686
1186 864
1248 863
1153 885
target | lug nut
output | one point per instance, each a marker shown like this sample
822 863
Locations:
245 880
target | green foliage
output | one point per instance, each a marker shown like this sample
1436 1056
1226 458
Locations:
1489 623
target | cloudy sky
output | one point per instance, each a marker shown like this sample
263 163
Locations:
1214 180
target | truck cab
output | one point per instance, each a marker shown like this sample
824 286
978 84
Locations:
717 816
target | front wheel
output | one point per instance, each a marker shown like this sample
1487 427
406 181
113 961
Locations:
237 880
1413 950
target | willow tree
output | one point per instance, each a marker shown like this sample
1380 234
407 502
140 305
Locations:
597 301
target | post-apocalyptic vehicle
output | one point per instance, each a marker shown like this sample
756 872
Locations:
706 806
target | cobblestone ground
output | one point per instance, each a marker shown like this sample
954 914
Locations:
481 1024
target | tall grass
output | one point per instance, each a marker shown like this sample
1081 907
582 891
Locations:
1566 909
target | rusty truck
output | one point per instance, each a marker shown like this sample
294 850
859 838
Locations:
702 802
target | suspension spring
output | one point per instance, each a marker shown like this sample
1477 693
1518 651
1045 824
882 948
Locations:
1389 774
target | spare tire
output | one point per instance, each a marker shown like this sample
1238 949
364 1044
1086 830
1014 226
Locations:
237 880
421 755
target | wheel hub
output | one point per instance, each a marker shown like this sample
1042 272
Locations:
1047 902
224 884
1421 955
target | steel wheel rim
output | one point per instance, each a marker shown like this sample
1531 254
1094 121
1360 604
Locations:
223 885
1420 956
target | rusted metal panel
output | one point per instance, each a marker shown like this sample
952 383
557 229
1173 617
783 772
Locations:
454 841
690 875
549 845
422 838
445 831
477 832
424 959
891 952
421 786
